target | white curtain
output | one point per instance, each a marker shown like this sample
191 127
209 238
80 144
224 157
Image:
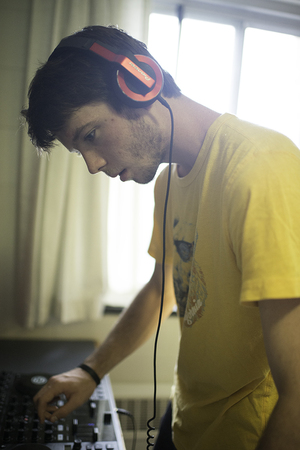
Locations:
57 264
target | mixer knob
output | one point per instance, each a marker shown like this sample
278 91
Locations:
35 423
8 424
60 403
48 435
48 425
21 424
77 444
21 435
6 435
13 401
25 409
34 435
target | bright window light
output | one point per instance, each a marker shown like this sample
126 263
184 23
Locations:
270 87
205 63
163 40
130 221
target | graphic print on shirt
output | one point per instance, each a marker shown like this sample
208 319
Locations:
189 282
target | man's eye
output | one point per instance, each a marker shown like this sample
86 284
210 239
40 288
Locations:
90 137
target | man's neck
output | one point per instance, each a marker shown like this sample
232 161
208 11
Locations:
191 123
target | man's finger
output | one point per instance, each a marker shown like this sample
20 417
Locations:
66 409
43 401
45 395
52 408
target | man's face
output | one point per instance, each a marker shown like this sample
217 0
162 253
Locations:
129 145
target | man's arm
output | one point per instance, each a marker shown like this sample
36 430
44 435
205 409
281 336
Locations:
134 327
281 329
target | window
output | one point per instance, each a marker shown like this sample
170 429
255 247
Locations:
231 59
130 220
270 77
234 61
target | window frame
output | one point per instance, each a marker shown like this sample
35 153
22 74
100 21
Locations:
284 15
270 15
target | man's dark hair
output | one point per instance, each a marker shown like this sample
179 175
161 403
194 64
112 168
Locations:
75 78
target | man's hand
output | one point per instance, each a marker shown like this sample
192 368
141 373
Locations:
77 385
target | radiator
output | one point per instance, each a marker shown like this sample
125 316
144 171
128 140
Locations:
142 410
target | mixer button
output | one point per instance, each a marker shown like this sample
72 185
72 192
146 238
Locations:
93 408
107 419
74 426
95 434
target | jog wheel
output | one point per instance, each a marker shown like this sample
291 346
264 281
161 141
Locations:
30 384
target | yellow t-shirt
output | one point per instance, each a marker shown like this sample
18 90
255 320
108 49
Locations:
233 237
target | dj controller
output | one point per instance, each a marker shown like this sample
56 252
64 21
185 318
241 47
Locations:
93 426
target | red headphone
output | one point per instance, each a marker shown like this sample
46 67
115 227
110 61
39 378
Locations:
137 80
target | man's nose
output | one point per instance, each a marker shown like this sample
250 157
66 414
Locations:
94 163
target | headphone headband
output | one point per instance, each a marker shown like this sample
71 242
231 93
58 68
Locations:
138 80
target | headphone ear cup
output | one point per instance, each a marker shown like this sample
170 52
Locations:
131 91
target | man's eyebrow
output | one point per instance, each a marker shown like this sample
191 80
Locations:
79 130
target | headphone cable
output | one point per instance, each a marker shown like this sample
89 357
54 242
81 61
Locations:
151 428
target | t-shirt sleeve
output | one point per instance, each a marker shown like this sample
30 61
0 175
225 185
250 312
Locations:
156 243
264 226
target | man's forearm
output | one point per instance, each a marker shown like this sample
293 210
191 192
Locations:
135 326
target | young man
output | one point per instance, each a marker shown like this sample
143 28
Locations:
232 249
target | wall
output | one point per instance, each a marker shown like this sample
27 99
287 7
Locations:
134 376
14 29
